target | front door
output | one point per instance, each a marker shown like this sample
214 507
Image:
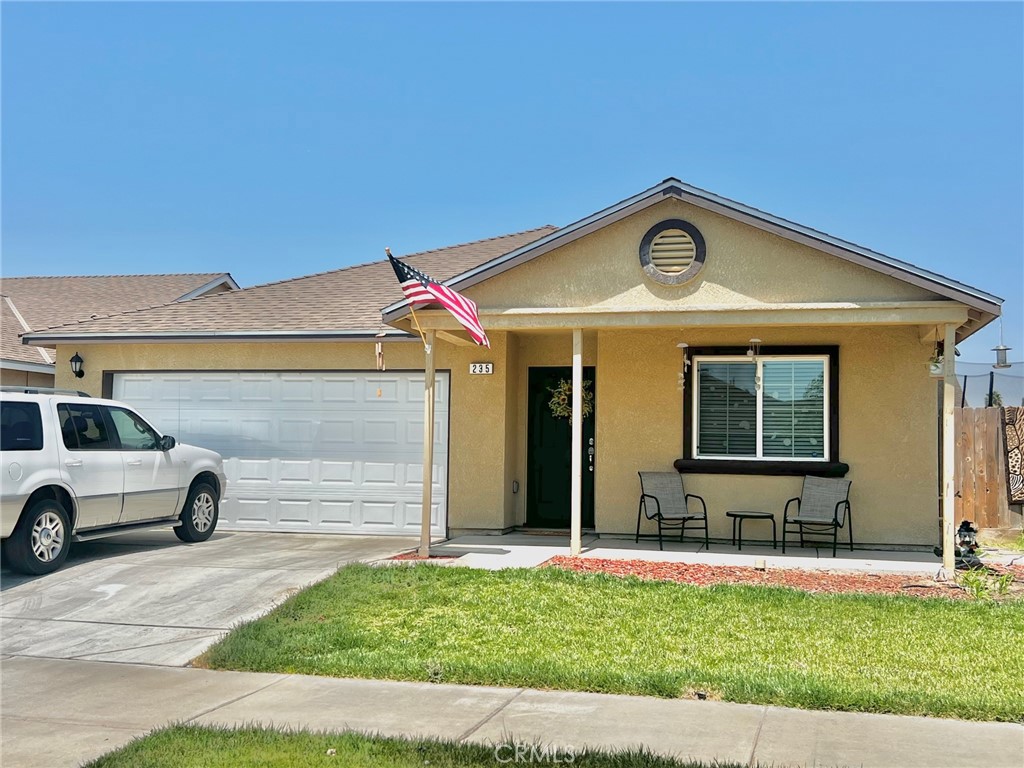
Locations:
549 451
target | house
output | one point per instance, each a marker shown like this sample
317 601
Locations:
741 348
28 303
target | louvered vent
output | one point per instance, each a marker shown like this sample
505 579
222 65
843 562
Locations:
673 251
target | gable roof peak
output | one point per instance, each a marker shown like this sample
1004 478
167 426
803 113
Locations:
987 304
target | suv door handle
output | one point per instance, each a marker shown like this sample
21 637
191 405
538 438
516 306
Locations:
73 463
134 462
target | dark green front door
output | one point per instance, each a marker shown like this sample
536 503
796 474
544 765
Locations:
549 453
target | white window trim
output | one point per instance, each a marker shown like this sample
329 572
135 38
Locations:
826 409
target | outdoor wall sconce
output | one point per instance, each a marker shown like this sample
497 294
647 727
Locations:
76 366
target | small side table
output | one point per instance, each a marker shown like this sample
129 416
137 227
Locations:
740 516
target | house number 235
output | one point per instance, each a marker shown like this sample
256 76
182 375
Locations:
485 368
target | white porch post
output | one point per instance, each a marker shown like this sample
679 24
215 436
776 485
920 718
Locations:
428 443
948 448
576 513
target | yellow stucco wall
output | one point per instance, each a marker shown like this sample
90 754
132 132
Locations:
888 431
887 428
12 378
477 440
744 266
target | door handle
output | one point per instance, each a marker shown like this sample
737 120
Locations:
134 462
73 463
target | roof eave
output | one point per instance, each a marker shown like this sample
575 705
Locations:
18 365
974 298
142 337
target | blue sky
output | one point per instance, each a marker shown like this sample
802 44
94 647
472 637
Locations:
278 140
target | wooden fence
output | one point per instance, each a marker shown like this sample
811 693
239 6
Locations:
981 493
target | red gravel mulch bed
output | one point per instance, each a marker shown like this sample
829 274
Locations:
830 582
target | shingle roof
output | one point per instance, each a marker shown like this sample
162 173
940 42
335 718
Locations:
44 302
347 299
11 347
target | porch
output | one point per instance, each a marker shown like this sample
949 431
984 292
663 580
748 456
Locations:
528 550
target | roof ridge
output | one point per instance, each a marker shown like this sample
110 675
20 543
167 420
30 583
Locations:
65 277
381 261
477 242
114 314
25 327
226 294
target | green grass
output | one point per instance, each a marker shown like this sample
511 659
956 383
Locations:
189 746
550 628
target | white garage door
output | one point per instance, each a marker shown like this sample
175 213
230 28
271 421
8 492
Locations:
316 452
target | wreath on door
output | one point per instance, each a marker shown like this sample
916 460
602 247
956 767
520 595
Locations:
561 399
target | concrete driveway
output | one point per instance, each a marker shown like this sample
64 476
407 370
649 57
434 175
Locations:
147 598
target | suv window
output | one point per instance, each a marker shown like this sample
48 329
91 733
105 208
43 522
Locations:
21 427
133 432
83 427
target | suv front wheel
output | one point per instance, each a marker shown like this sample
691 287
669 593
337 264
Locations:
199 517
40 541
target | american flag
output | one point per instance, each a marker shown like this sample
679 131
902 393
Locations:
422 290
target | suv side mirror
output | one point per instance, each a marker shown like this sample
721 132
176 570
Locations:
166 443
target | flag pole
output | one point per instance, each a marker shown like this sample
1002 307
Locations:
415 319
418 328
428 445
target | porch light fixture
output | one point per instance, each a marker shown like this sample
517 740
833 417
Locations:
1001 350
76 365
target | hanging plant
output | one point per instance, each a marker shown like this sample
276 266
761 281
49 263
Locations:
561 399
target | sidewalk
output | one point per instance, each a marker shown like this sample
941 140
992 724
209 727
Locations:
64 712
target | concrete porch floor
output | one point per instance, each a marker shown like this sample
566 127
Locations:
527 550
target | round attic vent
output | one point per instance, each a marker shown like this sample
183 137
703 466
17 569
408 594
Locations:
672 252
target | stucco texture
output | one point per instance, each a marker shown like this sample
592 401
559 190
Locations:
744 266
477 441
13 378
887 405
887 431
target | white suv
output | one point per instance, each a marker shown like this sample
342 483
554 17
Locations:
78 467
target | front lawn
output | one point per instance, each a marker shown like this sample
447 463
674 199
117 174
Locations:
550 628
190 746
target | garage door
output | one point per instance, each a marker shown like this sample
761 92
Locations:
315 452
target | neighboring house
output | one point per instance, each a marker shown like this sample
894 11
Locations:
35 303
282 377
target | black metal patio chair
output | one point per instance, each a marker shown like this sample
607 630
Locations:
823 505
664 498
